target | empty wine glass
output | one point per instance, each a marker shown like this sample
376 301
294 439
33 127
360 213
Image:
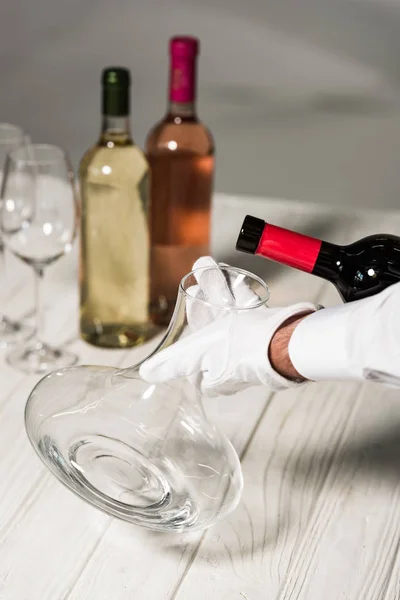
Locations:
38 224
11 137
141 452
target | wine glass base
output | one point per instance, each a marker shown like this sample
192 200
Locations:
13 332
40 358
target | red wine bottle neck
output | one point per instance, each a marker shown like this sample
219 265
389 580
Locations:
290 248
358 270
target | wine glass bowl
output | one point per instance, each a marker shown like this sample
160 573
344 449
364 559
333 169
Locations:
38 218
140 452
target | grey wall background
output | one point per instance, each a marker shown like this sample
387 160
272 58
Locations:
303 96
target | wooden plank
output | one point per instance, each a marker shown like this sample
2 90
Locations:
252 556
300 441
351 541
245 556
40 520
161 562
133 563
252 551
41 550
350 546
100 571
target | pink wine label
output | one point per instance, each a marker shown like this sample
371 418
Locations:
289 248
183 69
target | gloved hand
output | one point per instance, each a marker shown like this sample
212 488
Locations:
228 349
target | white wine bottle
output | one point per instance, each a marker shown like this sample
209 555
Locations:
114 242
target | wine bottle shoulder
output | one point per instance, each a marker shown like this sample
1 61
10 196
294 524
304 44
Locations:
374 243
175 135
120 164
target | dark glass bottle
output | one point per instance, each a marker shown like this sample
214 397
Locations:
358 270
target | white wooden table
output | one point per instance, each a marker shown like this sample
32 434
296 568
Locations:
320 514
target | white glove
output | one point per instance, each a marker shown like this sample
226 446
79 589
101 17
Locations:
228 349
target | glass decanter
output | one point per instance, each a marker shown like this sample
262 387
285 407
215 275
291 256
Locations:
141 452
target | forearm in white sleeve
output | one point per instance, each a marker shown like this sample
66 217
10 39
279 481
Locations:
355 341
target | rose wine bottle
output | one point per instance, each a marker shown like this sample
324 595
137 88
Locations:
180 152
358 270
114 251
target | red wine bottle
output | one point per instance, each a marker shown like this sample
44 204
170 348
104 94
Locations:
358 270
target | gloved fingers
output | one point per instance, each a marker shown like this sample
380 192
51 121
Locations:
212 282
198 313
245 296
181 359
221 287
171 363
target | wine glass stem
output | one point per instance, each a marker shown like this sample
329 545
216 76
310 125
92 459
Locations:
39 274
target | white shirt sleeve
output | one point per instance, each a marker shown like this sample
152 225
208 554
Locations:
355 341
